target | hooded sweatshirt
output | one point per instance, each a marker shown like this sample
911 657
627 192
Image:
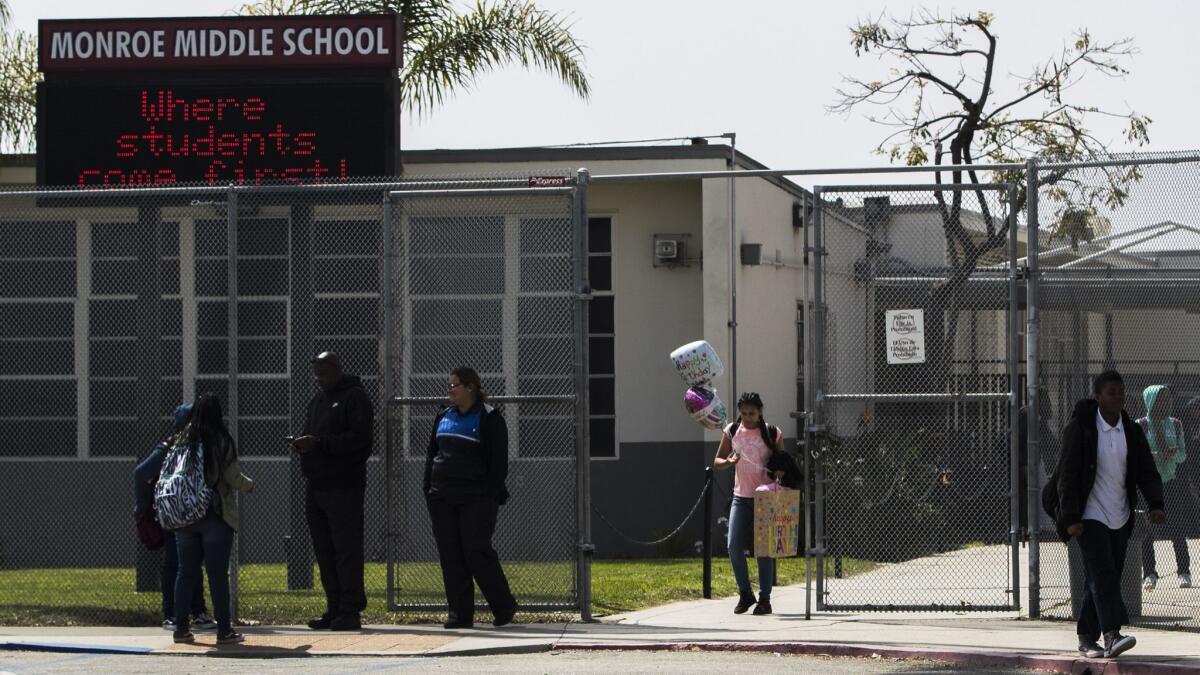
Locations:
1163 433
343 421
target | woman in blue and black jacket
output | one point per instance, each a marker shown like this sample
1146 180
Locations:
465 469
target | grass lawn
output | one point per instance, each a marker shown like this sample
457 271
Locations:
105 596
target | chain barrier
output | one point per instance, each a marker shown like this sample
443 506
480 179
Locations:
699 500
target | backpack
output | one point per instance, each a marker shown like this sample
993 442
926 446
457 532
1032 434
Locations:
768 433
181 496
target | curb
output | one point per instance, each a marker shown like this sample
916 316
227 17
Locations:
241 652
72 648
971 658
1070 665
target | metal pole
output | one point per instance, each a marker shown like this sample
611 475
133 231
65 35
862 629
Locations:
733 261
385 333
818 370
1032 426
583 460
806 418
1014 408
708 484
231 293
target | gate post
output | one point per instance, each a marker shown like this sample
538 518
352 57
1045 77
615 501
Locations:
1014 406
385 334
583 462
818 370
1033 457
231 293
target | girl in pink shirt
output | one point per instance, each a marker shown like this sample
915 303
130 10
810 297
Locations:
747 450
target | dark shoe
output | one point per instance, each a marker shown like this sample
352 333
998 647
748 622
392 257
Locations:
744 603
203 621
184 636
456 620
763 606
168 624
503 618
321 622
346 622
229 637
1089 649
1116 644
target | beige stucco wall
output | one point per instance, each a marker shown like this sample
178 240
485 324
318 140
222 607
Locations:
657 308
767 294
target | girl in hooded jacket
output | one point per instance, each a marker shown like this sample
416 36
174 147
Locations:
1169 447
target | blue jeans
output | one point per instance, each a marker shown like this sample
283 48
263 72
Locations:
206 543
741 538
170 572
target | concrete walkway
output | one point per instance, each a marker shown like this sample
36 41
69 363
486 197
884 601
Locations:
970 639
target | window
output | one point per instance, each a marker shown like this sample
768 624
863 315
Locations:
37 321
601 340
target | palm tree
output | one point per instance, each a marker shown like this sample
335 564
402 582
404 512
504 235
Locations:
18 85
445 51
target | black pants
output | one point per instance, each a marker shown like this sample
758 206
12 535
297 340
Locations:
335 521
463 531
1103 552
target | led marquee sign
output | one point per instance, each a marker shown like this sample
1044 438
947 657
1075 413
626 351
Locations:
234 100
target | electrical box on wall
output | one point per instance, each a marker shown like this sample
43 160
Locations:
670 250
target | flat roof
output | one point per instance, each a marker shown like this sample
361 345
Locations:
549 155
586 153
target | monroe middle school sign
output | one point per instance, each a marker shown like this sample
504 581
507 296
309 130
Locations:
218 101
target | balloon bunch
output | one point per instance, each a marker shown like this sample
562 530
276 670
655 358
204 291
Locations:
698 365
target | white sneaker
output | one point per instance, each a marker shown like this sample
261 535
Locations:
1150 582
1185 580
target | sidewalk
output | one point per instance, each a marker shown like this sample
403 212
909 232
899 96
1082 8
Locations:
969 639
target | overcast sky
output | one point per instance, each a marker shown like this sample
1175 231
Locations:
765 70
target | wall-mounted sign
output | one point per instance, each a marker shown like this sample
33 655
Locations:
231 100
905 332
360 41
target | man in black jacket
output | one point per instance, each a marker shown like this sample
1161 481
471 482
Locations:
1105 460
337 440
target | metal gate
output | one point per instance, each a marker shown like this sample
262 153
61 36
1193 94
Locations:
913 422
493 278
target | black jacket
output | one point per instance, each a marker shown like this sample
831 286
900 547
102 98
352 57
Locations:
470 461
343 420
1066 495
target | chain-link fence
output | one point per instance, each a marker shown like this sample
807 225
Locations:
490 278
944 360
915 405
1119 258
118 305
930 454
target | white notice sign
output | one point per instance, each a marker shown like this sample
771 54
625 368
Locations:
905 335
